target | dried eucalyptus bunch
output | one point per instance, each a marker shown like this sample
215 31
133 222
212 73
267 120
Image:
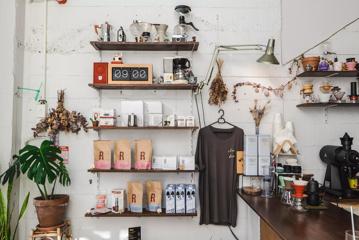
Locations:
60 119
218 90
258 112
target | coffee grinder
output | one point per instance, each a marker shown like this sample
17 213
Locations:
342 166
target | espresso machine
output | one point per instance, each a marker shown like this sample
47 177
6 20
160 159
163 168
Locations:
343 165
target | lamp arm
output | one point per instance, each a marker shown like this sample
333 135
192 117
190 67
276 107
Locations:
330 36
220 48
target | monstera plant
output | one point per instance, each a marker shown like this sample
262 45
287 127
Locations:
44 166
7 209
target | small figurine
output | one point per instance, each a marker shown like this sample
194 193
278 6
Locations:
323 65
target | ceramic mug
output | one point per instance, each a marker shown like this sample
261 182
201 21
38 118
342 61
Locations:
351 66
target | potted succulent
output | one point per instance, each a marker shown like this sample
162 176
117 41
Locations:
44 166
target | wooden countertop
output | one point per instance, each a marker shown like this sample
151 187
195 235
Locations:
327 224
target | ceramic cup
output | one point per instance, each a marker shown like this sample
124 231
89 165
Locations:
351 66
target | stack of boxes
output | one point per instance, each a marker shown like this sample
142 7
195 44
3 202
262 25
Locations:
180 198
257 153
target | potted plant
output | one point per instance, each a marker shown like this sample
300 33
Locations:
44 166
7 209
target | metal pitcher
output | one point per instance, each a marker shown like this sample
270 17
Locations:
103 32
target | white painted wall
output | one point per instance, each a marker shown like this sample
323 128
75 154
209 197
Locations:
70 60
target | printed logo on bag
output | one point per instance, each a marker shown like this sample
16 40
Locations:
100 156
153 197
133 198
143 156
121 156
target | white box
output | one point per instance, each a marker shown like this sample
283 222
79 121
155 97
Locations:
129 107
107 113
168 78
186 163
96 112
250 165
155 120
190 121
157 162
170 163
180 198
170 198
107 121
190 198
118 200
153 107
181 121
264 145
172 120
250 145
263 161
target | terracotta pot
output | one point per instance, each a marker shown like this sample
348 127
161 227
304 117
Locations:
51 212
312 61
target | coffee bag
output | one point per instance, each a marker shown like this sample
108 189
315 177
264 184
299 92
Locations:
135 196
102 154
154 195
122 154
143 154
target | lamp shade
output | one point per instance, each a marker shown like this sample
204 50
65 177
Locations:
268 56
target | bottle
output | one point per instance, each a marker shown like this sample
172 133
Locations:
337 65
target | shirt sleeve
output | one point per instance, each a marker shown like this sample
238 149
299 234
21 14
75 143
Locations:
199 152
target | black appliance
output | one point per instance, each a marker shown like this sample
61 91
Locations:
313 193
343 163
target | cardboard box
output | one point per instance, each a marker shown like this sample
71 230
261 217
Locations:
170 163
181 121
186 163
118 200
250 145
250 165
190 198
157 162
180 198
240 162
264 145
155 120
170 198
135 107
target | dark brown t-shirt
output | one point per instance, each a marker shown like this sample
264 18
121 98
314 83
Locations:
218 180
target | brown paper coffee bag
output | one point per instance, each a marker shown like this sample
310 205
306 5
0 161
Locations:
154 195
102 154
143 154
122 154
135 196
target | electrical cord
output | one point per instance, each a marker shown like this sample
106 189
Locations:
234 235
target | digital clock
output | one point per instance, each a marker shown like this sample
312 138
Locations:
130 73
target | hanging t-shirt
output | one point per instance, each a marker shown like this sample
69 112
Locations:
218 180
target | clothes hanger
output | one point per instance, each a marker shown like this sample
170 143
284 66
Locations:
221 119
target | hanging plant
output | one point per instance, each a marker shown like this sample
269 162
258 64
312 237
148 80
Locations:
218 90
61 119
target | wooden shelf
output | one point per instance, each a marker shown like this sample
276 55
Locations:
145 86
94 170
304 105
143 214
145 46
141 128
329 74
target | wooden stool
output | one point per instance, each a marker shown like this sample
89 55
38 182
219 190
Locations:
58 232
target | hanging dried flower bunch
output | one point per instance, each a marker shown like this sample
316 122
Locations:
218 90
60 119
258 112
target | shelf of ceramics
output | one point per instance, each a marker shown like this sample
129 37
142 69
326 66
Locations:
143 214
94 170
304 105
329 74
144 86
145 46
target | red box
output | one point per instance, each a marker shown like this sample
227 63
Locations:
100 72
